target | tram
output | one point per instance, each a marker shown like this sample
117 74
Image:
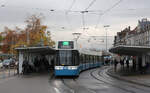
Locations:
70 62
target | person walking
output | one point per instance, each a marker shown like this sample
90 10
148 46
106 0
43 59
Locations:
127 63
115 64
134 64
121 63
25 66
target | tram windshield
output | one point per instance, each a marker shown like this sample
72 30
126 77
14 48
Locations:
66 58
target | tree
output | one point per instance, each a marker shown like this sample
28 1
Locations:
37 32
32 35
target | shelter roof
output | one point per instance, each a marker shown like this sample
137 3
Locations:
41 49
129 50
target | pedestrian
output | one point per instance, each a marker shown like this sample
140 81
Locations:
115 64
36 64
25 66
121 63
127 63
134 64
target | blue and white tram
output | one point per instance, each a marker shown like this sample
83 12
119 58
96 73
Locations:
70 62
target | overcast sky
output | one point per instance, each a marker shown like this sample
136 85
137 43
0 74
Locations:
62 24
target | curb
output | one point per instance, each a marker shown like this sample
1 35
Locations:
127 80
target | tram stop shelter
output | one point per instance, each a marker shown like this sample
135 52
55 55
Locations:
30 53
141 53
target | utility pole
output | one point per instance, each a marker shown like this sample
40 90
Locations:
106 26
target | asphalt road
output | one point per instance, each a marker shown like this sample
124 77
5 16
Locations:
90 81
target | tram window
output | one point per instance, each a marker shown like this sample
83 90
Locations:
80 59
64 57
99 59
87 59
75 58
91 59
83 59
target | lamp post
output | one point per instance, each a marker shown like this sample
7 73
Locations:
76 37
106 26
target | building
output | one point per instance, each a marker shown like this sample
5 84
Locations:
140 36
134 42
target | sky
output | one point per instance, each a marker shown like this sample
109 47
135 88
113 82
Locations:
67 17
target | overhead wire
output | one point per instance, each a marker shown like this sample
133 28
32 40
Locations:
73 2
106 11
87 11
66 13
109 9
92 2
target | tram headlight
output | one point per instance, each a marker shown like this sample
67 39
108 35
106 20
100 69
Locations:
72 67
58 68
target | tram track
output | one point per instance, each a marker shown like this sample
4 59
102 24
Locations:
68 86
72 84
104 75
63 86
106 82
77 85
90 90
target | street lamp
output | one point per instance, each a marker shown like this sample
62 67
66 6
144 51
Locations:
76 37
106 26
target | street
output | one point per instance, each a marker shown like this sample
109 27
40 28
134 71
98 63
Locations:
90 81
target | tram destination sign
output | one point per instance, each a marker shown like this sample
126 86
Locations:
65 45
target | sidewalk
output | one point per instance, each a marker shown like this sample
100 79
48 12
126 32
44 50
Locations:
130 76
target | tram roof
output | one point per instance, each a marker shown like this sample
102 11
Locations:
40 49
